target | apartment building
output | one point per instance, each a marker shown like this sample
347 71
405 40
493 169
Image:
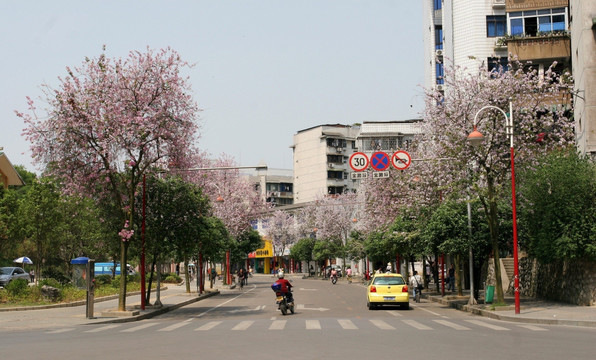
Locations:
583 54
321 156
322 153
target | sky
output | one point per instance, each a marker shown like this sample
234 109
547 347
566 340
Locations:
263 69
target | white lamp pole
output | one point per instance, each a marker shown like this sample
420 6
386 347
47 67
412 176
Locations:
476 138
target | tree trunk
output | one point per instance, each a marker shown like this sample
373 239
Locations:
186 275
459 274
122 295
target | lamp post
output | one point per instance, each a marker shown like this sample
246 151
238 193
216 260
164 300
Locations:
475 138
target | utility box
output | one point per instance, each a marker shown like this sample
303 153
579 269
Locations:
490 293
83 276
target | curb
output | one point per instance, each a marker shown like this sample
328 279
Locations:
71 304
163 310
462 305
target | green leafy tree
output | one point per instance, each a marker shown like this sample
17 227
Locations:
303 250
558 207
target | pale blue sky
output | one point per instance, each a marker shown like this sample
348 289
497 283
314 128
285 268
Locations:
264 69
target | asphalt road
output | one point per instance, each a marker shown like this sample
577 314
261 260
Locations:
331 322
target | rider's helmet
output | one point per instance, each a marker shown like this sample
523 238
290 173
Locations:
280 275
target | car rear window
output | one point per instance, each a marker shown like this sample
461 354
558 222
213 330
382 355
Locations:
389 280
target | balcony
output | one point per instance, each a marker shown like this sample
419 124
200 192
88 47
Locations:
556 46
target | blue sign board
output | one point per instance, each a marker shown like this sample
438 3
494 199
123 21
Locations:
379 161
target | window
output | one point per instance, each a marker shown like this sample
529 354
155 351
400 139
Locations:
438 37
497 64
533 22
496 25
438 4
440 73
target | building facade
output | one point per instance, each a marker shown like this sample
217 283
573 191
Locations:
583 51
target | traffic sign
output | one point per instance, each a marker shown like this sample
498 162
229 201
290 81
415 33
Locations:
358 161
379 161
401 160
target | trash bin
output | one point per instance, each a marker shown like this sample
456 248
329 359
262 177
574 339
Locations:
490 293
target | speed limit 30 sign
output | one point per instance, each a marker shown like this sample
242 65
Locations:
359 161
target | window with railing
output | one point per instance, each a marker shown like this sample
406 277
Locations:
534 22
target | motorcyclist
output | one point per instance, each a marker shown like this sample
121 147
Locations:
333 274
286 286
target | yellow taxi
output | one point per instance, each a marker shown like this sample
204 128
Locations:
387 289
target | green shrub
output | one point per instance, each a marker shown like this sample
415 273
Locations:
57 273
18 287
172 279
50 282
103 280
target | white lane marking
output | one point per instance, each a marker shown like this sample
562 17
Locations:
490 326
533 327
174 326
394 313
452 325
347 324
222 304
243 325
59 331
140 327
278 325
313 325
208 326
301 307
417 325
107 327
382 325
428 311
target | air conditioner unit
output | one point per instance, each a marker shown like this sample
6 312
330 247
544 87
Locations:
439 52
339 149
331 166
440 87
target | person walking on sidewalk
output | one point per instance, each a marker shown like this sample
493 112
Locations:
416 284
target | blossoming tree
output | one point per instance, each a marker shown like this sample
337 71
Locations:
109 122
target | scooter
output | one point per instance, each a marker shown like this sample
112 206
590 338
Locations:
333 279
284 300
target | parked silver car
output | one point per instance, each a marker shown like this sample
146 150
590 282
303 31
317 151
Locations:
7 274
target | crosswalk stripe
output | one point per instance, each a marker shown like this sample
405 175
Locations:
59 331
417 325
278 325
451 325
490 326
243 325
140 327
313 325
174 326
103 328
347 324
382 325
533 327
208 326
394 313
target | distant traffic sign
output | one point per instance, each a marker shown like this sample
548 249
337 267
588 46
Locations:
358 161
401 160
379 161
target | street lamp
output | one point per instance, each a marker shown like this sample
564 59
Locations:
476 138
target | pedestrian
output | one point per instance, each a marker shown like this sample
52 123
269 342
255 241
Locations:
416 285
388 270
177 269
451 278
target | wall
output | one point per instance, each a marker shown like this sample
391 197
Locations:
570 282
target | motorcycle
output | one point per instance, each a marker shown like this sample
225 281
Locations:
333 279
284 300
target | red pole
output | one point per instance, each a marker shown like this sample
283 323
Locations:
443 274
515 258
200 274
228 273
143 245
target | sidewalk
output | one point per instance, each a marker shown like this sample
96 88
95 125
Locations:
534 311
72 314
